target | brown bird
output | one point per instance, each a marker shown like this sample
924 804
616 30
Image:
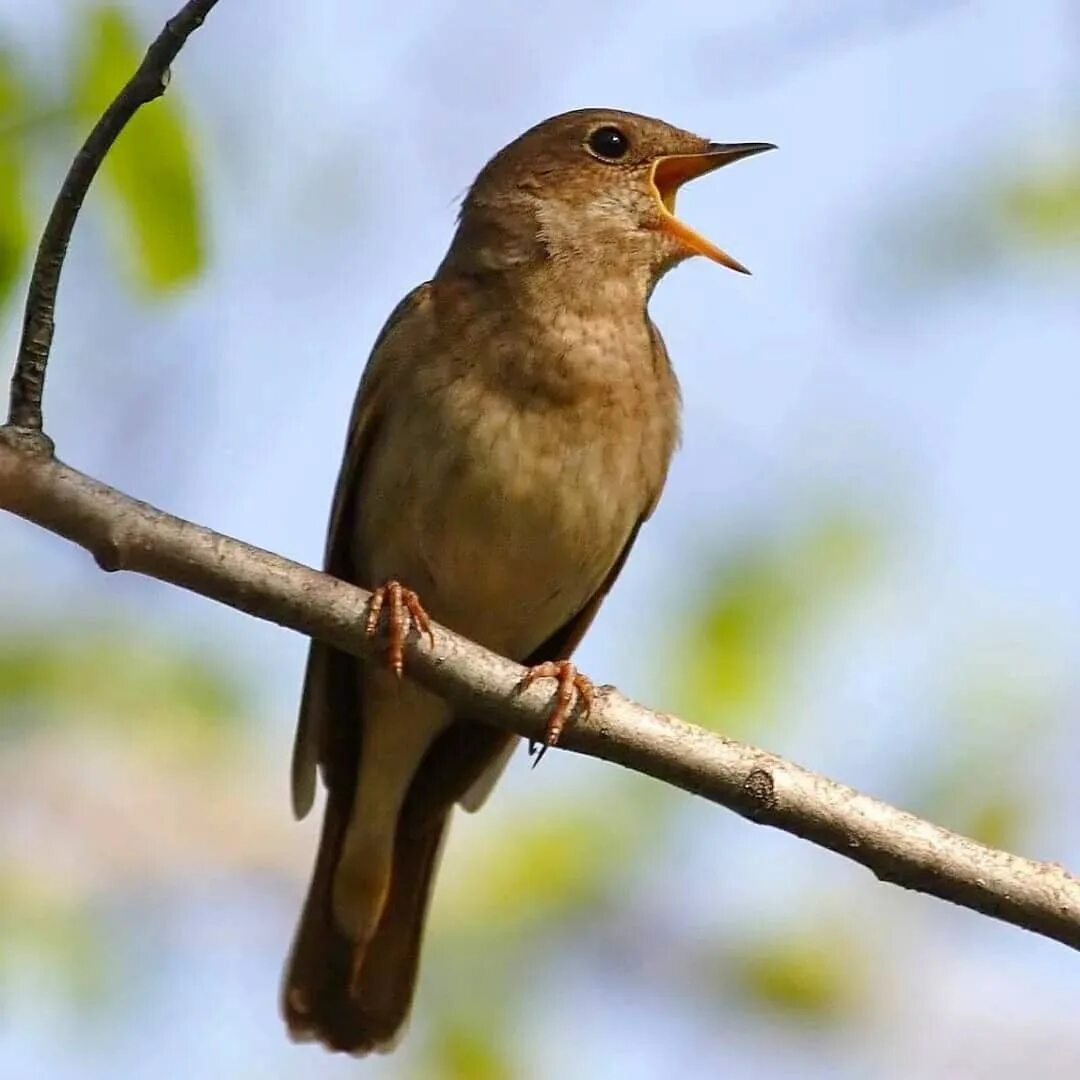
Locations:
511 433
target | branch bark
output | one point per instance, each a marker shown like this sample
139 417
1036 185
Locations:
125 534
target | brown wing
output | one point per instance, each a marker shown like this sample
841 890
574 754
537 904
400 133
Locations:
320 996
567 638
330 684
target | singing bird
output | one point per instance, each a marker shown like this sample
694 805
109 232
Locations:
511 433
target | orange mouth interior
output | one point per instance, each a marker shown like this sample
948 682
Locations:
668 175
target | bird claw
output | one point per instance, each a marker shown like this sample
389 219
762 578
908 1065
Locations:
403 610
569 680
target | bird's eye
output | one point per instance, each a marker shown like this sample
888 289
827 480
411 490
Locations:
609 143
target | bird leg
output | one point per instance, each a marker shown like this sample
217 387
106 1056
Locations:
569 679
403 610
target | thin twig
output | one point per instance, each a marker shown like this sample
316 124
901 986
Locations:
124 534
148 82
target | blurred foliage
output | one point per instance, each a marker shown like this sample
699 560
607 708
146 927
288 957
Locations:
96 725
151 173
43 931
976 792
735 652
997 707
150 170
1043 207
146 689
541 870
808 972
992 217
467 1051
14 223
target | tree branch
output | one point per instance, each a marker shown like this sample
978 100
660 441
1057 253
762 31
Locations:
148 82
124 534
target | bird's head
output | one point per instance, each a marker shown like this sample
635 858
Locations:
593 187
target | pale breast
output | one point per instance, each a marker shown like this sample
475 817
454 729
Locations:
516 495
530 525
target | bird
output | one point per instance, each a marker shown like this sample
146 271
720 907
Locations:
511 433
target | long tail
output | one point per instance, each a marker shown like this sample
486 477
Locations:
321 997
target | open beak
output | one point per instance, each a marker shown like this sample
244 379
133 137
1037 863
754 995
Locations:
670 173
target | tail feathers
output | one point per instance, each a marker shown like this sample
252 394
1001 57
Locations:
323 996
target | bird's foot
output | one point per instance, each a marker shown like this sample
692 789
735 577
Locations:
403 611
569 680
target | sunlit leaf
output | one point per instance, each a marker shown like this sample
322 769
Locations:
731 664
151 169
47 931
154 689
1044 207
999 708
541 868
975 791
998 820
14 221
460 1051
817 973
1003 210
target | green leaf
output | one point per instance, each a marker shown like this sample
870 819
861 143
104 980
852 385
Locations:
42 929
157 692
815 973
730 668
461 1051
1044 207
14 222
1005 208
150 171
540 870
999 820
1001 712
978 791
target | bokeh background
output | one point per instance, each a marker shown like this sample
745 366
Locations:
866 559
